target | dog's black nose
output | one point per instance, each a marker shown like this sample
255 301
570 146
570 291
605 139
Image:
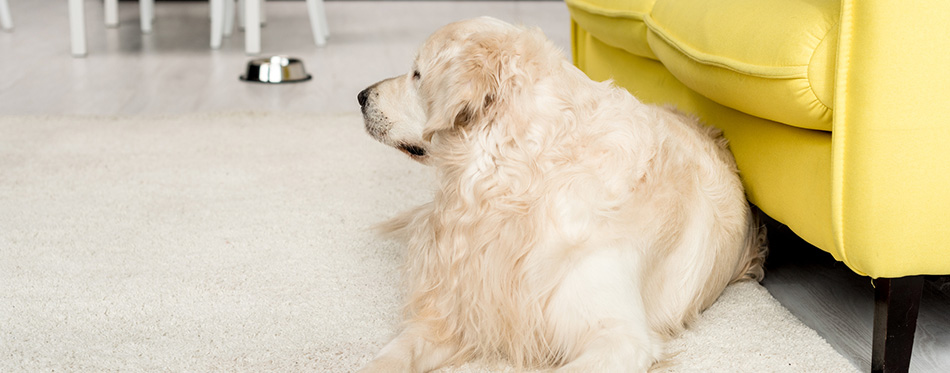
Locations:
363 96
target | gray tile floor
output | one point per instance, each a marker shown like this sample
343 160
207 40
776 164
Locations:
172 71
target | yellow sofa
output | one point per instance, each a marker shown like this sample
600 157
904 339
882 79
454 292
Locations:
838 113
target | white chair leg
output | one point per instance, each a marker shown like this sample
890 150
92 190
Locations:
77 28
323 20
240 14
6 18
146 14
263 13
317 21
322 10
228 17
217 22
252 26
242 19
112 13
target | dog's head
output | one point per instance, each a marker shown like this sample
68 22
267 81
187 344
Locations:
463 76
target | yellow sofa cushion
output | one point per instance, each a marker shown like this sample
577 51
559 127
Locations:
773 59
770 58
618 23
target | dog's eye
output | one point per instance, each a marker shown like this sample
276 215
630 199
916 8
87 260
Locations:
416 75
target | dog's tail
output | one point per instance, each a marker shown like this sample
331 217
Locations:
756 248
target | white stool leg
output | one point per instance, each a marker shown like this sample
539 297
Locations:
146 14
228 17
6 18
112 13
317 21
252 26
217 22
77 28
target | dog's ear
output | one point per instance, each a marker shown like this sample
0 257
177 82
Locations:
486 75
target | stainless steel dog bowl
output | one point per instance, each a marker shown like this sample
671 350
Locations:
276 69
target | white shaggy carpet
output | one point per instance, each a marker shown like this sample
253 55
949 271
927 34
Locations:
240 242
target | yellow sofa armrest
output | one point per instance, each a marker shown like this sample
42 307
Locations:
891 137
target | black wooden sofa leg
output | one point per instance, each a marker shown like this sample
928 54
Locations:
896 302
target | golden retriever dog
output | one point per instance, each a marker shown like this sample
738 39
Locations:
573 227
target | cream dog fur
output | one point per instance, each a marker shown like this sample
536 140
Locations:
573 226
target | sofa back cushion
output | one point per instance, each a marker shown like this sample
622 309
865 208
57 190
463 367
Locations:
774 59
618 23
